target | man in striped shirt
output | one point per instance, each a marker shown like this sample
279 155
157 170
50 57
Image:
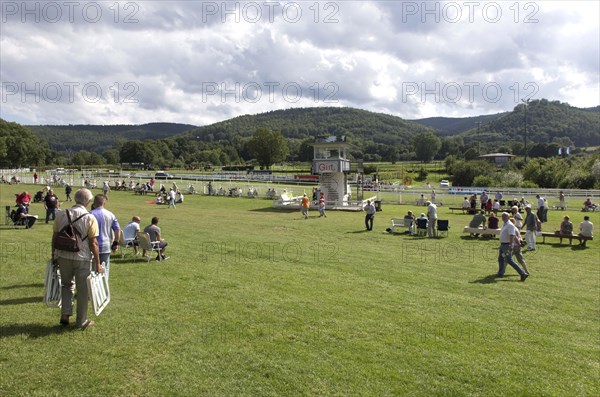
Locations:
109 230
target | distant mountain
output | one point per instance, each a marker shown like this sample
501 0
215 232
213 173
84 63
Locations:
97 138
370 132
360 126
547 121
456 125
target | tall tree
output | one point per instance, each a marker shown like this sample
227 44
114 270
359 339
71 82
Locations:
267 147
19 147
426 145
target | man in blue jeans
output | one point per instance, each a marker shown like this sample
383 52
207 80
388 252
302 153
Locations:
108 231
507 242
51 203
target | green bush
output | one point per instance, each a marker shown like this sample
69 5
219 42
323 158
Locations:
529 185
484 181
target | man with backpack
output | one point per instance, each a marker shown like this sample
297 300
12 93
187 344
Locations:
74 260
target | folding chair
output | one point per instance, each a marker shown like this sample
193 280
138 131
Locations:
443 226
402 223
150 246
421 227
125 243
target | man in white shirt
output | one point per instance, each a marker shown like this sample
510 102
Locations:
171 198
540 207
432 218
130 233
508 240
586 228
466 203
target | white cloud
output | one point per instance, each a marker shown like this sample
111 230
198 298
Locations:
179 62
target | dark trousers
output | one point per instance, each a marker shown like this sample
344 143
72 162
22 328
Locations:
369 221
50 211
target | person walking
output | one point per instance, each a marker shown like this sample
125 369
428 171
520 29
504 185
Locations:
516 249
109 231
508 241
517 217
51 204
370 215
432 219
171 198
68 190
322 206
105 189
76 265
530 228
305 204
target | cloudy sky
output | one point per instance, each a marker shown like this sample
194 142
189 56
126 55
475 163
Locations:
200 62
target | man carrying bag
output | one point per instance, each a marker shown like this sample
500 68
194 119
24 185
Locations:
74 261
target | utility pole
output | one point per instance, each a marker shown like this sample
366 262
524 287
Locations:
478 124
526 103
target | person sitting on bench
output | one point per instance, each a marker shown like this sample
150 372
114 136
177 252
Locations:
493 221
477 221
566 227
586 229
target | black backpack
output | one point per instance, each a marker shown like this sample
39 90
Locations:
68 238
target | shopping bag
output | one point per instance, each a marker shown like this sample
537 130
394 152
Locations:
52 285
98 291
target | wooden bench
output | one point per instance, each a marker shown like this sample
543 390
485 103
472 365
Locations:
570 237
483 232
464 210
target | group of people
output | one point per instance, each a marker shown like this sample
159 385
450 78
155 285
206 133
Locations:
101 232
305 205
532 225
586 228
422 201
13 180
171 198
23 200
425 221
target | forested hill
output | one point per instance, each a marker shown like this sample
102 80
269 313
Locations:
456 125
547 121
97 138
371 132
360 126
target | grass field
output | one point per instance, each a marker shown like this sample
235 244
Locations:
257 302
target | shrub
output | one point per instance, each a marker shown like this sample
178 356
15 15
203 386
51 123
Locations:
529 185
511 179
483 181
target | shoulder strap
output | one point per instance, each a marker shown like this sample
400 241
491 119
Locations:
72 222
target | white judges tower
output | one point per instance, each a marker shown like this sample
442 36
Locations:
331 163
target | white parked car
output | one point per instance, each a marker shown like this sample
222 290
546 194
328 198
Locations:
444 183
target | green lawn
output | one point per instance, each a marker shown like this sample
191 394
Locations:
258 302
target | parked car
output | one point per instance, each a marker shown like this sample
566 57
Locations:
444 183
162 175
